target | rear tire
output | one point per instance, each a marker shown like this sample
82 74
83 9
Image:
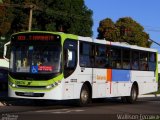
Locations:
133 96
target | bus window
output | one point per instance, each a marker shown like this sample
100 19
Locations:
115 54
101 56
152 61
86 51
135 60
143 60
126 59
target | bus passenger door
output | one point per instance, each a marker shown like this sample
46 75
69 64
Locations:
85 62
70 61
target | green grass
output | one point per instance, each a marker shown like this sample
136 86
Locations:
157 92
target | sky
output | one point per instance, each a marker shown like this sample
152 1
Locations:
145 12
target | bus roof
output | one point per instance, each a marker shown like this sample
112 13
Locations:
118 44
100 41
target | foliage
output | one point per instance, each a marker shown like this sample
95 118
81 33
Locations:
124 30
107 30
69 16
5 25
5 19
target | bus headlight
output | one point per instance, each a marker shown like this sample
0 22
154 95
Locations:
49 86
12 84
52 85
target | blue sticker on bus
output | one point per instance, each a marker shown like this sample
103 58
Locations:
120 75
34 69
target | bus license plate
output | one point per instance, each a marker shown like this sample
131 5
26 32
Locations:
29 94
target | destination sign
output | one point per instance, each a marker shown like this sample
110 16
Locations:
35 37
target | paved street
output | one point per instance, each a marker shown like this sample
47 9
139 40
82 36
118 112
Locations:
144 108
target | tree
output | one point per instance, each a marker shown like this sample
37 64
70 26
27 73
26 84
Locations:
132 32
1 1
5 25
107 30
5 19
124 30
69 16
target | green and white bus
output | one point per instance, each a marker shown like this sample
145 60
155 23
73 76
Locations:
59 66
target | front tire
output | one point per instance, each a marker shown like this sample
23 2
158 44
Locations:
85 96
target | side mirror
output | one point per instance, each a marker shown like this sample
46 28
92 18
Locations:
5 51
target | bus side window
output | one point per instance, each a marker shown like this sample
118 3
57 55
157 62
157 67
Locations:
152 61
115 60
135 60
86 51
143 61
126 58
100 57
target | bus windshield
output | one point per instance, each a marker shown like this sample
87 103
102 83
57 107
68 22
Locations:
36 59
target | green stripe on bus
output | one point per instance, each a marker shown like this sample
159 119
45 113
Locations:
34 83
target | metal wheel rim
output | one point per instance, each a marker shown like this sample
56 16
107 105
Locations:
84 96
134 94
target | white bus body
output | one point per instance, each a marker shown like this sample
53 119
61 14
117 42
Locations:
90 82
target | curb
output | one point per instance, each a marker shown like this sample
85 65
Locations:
149 95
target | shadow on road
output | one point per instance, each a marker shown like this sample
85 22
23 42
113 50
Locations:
26 105
5 101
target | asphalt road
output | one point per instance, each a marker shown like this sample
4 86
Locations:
144 109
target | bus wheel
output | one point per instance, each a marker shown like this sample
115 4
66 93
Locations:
85 96
133 96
